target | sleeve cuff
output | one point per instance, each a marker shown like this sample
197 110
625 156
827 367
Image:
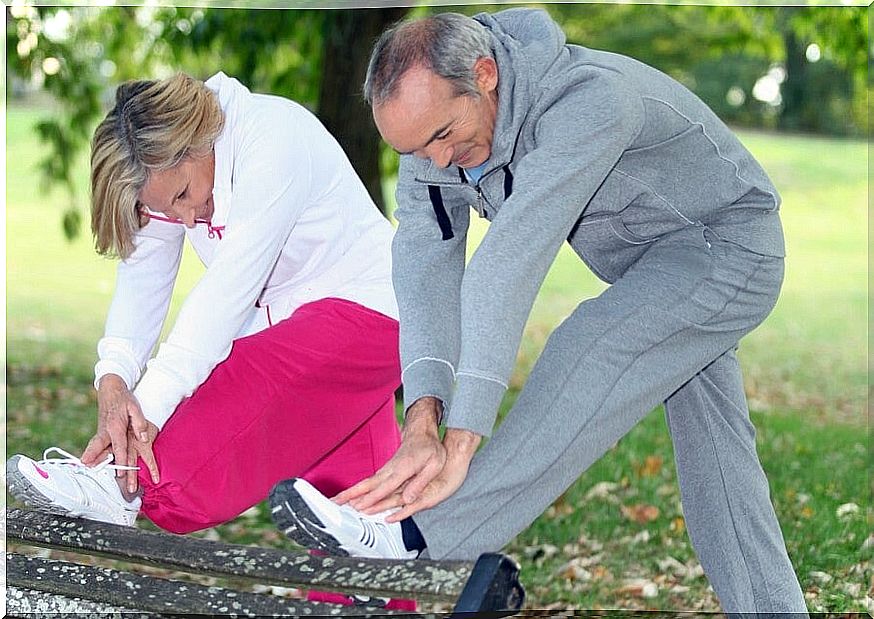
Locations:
104 367
153 399
428 378
475 404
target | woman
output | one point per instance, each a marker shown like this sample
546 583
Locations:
283 359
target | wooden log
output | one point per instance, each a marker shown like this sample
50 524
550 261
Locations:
441 581
33 604
157 595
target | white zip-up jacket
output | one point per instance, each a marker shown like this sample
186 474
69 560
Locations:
292 224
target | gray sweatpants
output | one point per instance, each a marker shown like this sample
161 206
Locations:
666 331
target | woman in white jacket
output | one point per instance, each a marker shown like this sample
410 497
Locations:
283 360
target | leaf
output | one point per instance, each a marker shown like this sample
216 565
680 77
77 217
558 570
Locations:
651 467
572 570
678 524
670 564
640 513
821 577
72 223
601 490
847 510
639 587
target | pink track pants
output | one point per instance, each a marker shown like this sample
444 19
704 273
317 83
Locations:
312 396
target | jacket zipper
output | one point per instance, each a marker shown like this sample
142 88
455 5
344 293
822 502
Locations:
481 201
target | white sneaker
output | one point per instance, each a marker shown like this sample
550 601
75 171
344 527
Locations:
66 486
314 521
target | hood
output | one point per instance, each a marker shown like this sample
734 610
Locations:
527 42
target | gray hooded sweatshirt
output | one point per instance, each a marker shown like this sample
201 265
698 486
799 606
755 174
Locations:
590 147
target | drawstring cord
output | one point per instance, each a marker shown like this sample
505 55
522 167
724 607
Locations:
213 231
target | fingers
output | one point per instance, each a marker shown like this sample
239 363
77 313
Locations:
359 489
148 457
118 435
391 502
374 490
96 449
138 422
132 481
440 489
416 485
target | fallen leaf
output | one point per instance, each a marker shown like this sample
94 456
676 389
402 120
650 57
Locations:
678 525
806 511
639 587
640 513
853 589
695 570
821 577
651 467
601 490
670 564
847 509
537 553
572 570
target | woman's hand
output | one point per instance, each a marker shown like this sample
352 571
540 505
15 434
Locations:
117 412
143 449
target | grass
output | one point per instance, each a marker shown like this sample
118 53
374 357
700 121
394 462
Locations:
805 371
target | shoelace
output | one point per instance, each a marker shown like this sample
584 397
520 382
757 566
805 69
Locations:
70 459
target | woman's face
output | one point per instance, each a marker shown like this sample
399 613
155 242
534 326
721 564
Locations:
183 192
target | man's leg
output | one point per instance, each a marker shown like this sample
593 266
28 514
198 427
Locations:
610 363
726 502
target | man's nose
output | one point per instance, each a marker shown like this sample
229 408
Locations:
440 155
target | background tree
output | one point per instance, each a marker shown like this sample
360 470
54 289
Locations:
798 68
317 58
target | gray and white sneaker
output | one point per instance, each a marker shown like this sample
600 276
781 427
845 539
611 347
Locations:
314 521
66 486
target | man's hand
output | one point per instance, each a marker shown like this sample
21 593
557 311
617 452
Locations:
460 448
117 411
419 460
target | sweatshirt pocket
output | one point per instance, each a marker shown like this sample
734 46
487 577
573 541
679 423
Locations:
607 246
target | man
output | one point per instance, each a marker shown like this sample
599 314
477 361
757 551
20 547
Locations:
551 143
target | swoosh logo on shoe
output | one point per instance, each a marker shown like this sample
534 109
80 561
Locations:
41 472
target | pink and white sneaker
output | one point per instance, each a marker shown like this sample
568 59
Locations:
66 486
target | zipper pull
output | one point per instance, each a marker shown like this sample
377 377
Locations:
480 206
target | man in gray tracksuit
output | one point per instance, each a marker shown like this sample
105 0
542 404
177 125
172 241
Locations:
551 143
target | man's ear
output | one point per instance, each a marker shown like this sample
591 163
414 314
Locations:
486 70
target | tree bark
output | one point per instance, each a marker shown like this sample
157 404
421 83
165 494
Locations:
348 38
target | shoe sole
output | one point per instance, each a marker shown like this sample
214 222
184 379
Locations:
22 489
293 517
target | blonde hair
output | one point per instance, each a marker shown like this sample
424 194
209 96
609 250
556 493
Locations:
153 126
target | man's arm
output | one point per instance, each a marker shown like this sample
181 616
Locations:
427 273
581 132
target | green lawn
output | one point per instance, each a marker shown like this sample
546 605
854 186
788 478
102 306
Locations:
805 368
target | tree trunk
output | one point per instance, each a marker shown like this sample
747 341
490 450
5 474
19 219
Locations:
348 38
794 89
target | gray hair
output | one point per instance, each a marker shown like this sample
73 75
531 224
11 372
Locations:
448 44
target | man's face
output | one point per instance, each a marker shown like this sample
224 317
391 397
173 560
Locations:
426 119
